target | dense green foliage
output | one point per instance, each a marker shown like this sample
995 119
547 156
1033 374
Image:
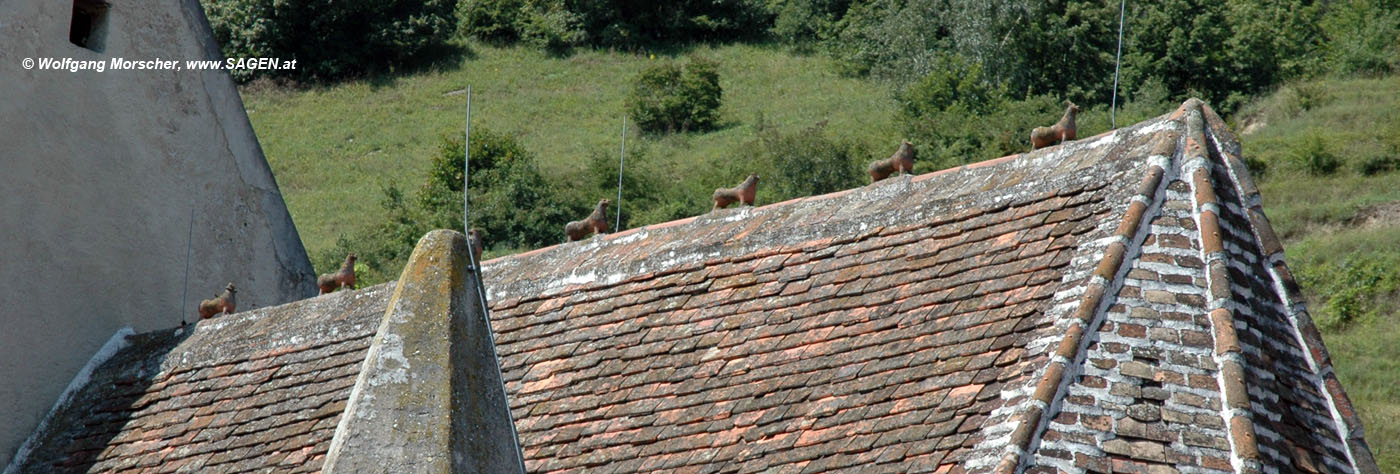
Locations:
670 98
494 20
1221 51
559 24
331 39
799 164
802 23
624 23
954 118
1363 37
547 25
505 179
1356 289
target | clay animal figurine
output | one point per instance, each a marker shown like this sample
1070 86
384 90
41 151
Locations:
595 222
345 277
744 193
901 161
222 303
1060 132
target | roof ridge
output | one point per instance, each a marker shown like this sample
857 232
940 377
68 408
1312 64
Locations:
183 357
571 267
1055 380
1228 355
1349 426
790 202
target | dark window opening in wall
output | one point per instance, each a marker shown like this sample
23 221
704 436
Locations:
89 27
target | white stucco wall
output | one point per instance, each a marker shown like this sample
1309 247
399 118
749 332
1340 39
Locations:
98 176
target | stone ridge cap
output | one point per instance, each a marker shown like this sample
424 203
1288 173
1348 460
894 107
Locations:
1206 206
1030 422
947 192
249 335
421 402
1223 143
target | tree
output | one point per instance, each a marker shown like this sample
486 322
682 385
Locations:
512 205
670 98
331 39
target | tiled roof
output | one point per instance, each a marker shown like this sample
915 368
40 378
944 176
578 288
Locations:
398 377
1117 303
1114 304
253 390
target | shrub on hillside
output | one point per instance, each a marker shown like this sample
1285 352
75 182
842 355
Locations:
1315 156
1380 163
956 116
554 29
670 98
612 23
796 164
1352 290
512 205
331 39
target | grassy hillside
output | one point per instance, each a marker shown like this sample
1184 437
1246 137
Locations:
333 147
1341 228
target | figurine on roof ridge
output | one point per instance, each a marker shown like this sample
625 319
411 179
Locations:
902 161
743 193
1058 133
340 279
597 222
222 303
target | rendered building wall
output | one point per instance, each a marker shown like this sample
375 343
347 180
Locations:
99 172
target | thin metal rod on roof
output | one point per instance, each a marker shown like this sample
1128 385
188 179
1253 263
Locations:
466 169
1118 58
620 155
505 397
480 284
189 242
